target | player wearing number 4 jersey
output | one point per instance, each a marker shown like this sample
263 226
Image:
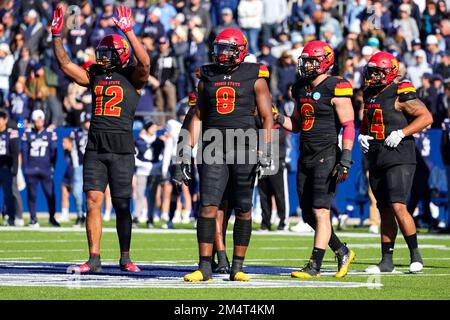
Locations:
109 159
323 107
230 91
386 136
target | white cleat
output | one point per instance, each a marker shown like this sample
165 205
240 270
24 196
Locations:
373 229
376 270
107 217
19 222
65 217
301 227
165 216
415 267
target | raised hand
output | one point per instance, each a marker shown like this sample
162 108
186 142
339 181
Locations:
125 19
58 20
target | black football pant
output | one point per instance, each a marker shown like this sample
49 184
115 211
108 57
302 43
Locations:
273 185
421 191
46 180
6 183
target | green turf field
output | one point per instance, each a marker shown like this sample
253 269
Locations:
169 250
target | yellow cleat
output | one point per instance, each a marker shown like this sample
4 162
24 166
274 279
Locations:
240 276
195 276
344 262
309 271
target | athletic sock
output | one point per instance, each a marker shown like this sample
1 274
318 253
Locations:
124 258
387 252
222 258
94 260
237 265
205 266
411 241
317 257
335 243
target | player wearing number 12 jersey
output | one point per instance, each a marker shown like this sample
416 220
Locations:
109 158
386 136
323 107
230 91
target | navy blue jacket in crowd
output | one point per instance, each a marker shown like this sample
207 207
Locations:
79 137
38 151
9 150
149 151
286 75
18 106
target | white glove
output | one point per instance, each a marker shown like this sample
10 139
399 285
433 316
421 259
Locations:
394 138
363 141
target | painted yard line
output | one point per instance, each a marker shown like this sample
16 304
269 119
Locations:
83 250
364 246
192 231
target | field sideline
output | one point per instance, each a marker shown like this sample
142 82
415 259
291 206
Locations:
34 264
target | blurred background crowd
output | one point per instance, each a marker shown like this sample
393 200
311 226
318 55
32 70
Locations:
178 36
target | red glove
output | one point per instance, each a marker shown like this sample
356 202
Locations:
58 20
125 22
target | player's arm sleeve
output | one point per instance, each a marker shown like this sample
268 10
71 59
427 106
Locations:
263 72
406 91
14 151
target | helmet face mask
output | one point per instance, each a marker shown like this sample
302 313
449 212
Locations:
225 54
381 70
107 57
317 58
112 52
375 76
309 67
229 48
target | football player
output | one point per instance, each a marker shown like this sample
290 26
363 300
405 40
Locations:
386 135
323 107
229 93
115 81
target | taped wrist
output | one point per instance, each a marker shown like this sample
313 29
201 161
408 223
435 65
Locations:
206 230
346 158
242 232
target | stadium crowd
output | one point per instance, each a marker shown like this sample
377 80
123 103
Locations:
177 35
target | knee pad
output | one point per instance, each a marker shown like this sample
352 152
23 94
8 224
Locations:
206 230
242 232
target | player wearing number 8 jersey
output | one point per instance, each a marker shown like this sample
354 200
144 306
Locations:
323 107
109 159
230 92
386 136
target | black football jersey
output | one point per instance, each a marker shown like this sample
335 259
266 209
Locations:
381 119
320 124
231 100
114 102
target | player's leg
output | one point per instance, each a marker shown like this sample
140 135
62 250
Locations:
120 177
108 204
278 184
49 192
388 227
65 195
141 186
187 205
265 197
399 181
32 182
243 180
77 189
214 179
95 180
223 265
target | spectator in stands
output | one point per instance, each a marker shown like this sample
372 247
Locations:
10 25
421 67
33 31
445 149
168 12
196 57
274 18
286 75
443 68
434 54
444 29
153 27
227 21
408 56
195 9
180 48
282 44
406 24
428 95
17 105
217 7
78 38
140 16
165 69
250 20
358 78
104 24
270 61
430 19
6 67
297 45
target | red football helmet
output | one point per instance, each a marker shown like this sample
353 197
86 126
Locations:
230 48
381 69
317 58
113 51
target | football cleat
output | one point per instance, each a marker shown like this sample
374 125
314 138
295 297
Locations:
240 276
53 223
33 224
85 268
223 267
130 267
196 276
344 261
309 271
415 267
383 266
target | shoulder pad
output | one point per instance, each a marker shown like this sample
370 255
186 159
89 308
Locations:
263 71
405 87
342 88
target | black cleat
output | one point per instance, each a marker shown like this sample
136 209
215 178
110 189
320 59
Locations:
79 222
223 267
385 265
310 270
53 223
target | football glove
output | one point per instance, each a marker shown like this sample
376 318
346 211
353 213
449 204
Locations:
363 141
125 21
57 23
341 170
265 160
182 174
394 139
279 118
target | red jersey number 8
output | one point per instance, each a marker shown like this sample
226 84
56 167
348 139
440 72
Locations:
225 100
307 112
